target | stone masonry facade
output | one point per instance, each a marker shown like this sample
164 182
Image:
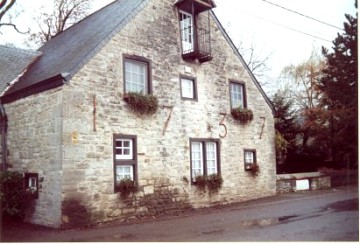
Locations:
66 134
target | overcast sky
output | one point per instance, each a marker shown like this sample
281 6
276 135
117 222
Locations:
287 36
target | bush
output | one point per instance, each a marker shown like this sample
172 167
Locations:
15 200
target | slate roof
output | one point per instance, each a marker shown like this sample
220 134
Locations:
13 62
65 54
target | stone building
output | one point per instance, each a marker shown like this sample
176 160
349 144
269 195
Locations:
72 132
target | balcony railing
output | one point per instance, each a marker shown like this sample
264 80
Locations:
198 47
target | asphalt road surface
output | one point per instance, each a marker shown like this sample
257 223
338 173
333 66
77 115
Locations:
326 215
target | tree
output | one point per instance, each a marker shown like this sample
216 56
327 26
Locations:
256 61
64 14
302 85
285 126
340 93
5 6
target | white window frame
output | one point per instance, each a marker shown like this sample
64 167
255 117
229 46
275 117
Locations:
237 96
211 158
249 158
197 159
123 148
136 74
187 32
188 88
204 153
122 175
32 183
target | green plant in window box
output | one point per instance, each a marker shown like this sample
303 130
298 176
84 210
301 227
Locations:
200 182
243 115
253 169
142 103
212 182
126 187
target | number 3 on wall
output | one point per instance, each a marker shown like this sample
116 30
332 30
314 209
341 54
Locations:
221 123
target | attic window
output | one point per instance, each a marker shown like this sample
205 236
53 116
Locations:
195 30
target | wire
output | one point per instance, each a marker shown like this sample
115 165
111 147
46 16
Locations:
303 15
287 27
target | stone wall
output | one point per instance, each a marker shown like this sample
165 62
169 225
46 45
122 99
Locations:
35 146
162 138
288 182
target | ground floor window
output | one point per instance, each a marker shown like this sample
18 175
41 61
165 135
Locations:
205 157
125 158
249 158
32 183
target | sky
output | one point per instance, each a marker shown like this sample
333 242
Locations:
286 37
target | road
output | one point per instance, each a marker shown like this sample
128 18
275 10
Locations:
326 215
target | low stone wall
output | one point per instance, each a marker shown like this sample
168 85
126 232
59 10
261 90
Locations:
302 181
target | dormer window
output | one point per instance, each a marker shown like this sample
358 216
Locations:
195 29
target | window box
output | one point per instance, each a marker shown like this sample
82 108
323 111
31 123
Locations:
126 187
254 169
243 115
143 104
212 182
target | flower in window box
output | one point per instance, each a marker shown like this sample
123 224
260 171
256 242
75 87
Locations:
142 103
254 169
243 115
125 187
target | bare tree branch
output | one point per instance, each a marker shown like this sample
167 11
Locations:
5 7
256 62
64 14
14 26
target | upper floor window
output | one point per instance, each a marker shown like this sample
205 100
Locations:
136 75
188 88
187 32
205 157
237 95
125 158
